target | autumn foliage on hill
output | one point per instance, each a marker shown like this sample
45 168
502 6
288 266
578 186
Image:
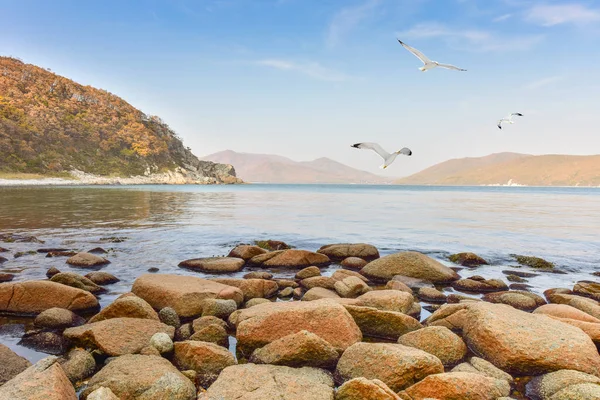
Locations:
50 124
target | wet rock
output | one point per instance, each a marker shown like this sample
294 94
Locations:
17 238
290 259
413 283
432 295
351 287
521 300
3 260
182 293
207 359
365 389
545 387
98 250
153 270
318 293
396 365
301 349
308 272
57 318
411 264
353 263
265 323
515 278
118 336
439 341
126 307
259 275
565 311
11 364
87 260
43 380
520 274
285 283
246 252
5 277
533 262
270 382
382 324
338 252
458 385
102 393
520 286
102 278
77 281
480 366
148 377
397 285
78 365
255 302
588 289
162 342
252 288
168 316
479 286
214 265
51 272
212 334
390 300
218 308
535 345
3 250
467 259
51 254
33 297
272 245
287 292
318 281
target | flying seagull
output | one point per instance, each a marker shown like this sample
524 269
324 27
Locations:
428 63
387 157
508 119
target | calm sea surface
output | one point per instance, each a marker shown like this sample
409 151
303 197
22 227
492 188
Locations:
164 225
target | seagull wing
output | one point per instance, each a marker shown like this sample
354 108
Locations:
500 123
448 66
406 151
416 52
517 114
372 146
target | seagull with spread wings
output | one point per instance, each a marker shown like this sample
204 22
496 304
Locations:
508 119
387 157
428 63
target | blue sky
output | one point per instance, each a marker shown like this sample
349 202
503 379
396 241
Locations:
307 78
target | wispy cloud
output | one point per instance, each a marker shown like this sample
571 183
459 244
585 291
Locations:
347 19
472 39
557 14
311 69
502 18
543 82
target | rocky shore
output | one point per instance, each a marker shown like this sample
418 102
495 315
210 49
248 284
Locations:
402 326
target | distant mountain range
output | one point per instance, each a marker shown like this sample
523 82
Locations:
512 169
269 168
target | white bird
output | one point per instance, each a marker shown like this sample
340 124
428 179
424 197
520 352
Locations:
428 63
387 157
508 119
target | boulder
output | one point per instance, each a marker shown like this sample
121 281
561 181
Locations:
102 278
168 316
4 277
365 389
213 333
184 294
397 285
338 252
214 265
411 264
287 292
272 245
301 349
203 322
255 302
184 332
252 288
390 300
467 259
118 336
588 289
286 283
565 311
77 281
78 365
414 284
148 377
454 298
258 275
342 274
382 324
535 345
353 263
480 286
458 386
102 393
351 287
580 391
246 252
270 382
432 295
478 365
308 272
11 364
525 301
588 306
218 308
533 262
49 342
290 259
207 359
126 307
439 341
265 323
592 329
162 342
57 318
45 380
545 387
33 297
396 365
325 282
51 272
318 293
87 260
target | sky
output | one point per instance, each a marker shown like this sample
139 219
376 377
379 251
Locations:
307 78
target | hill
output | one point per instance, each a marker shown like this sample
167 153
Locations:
269 168
512 168
51 125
